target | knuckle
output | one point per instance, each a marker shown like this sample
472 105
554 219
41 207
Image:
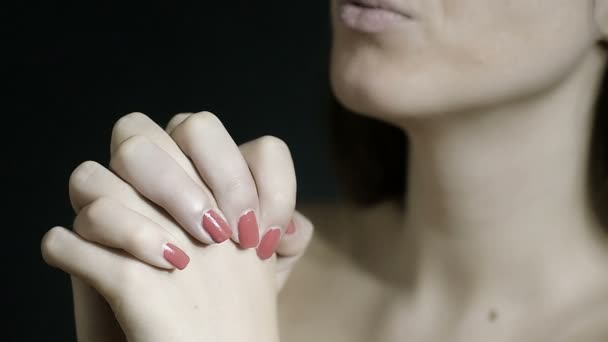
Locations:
128 148
235 185
238 191
272 144
199 122
82 173
126 122
98 209
280 190
281 199
203 119
138 239
51 245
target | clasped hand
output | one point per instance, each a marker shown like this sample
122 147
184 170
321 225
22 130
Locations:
179 235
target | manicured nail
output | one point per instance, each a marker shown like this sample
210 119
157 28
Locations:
249 234
291 228
215 225
269 243
175 256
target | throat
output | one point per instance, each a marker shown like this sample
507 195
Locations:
498 198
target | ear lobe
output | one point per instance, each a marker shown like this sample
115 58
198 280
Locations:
600 13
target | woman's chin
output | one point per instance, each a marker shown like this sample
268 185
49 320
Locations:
374 94
387 105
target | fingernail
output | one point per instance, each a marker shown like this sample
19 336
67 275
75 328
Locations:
249 233
175 256
269 243
215 225
291 228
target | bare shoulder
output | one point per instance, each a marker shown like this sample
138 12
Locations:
325 290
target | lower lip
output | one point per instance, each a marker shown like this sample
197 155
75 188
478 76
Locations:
370 20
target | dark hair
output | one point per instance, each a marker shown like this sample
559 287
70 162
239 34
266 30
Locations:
371 157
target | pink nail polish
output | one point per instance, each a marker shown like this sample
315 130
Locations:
249 233
175 256
269 243
291 228
215 225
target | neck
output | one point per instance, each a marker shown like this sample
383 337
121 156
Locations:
498 199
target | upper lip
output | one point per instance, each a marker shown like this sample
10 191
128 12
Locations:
390 5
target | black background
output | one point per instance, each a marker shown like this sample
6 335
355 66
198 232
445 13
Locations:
74 69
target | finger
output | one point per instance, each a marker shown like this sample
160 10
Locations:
292 246
111 224
297 237
158 177
272 168
139 124
203 138
175 121
94 264
91 181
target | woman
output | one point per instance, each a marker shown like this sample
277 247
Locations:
482 225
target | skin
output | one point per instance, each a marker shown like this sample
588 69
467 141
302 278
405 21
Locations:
498 242
123 288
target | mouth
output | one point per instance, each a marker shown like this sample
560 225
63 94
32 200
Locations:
373 16
379 5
